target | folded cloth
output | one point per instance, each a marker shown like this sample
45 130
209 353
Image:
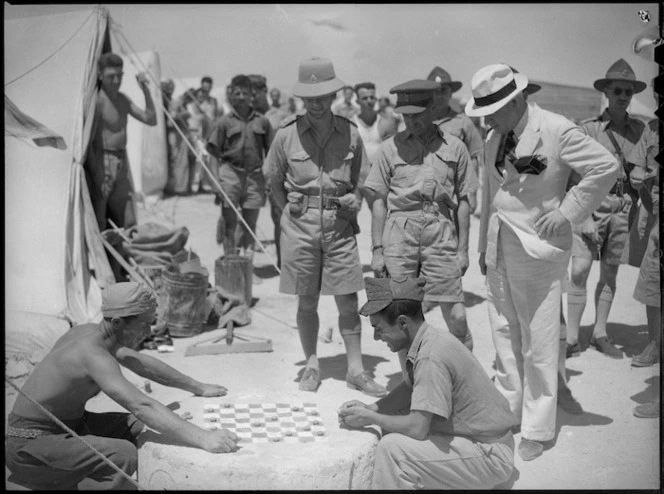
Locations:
228 307
153 237
127 299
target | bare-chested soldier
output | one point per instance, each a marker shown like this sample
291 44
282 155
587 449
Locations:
107 166
83 362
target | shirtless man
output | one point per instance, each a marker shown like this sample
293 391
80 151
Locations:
374 127
83 362
107 166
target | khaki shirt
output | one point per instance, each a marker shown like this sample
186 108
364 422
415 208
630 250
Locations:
461 126
239 142
409 171
450 383
298 162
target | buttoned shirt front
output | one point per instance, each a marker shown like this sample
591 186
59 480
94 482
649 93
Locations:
408 171
241 142
299 161
625 138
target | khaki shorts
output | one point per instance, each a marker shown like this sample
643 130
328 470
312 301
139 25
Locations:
319 254
613 235
420 244
246 190
647 290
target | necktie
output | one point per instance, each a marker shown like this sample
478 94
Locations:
509 144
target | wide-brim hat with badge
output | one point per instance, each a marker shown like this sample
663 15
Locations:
414 96
443 78
316 79
381 292
620 71
493 87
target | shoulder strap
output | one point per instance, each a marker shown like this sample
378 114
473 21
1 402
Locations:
618 149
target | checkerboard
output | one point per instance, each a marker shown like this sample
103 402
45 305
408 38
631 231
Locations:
267 422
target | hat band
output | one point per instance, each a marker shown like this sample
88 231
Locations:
497 96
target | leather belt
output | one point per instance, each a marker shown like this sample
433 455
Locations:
427 207
26 433
315 202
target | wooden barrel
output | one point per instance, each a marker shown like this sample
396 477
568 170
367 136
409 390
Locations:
234 274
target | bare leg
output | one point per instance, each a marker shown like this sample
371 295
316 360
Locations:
230 221
604 293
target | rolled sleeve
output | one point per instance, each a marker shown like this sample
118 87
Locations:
380 173
274 169
597 168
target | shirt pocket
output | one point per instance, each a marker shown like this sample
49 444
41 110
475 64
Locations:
405 175
302 167
340 169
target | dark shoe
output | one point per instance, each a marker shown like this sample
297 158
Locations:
647 410
365 384
648 357
573 350
605 346
529 450
567 402
310 380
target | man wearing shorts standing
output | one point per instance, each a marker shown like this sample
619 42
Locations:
240 141
313 168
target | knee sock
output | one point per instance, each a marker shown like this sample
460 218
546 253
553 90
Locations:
576 304
603 300
308 324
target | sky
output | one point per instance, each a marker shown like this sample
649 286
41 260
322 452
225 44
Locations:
384 43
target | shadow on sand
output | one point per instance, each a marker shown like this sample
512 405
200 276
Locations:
335 367
652 391
630 339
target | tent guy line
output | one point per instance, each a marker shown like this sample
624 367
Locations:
116 31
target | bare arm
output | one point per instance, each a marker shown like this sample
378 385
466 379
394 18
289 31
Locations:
149 115
378 216
463 217
104 370
162 373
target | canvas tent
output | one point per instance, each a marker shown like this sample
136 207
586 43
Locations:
146 145
52 244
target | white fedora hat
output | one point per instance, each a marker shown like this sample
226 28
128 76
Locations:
493 87
316 78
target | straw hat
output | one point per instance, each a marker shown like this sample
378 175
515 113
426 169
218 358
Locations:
316 78
493 87
620 71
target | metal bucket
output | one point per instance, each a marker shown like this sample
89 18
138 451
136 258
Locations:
233 273
182 302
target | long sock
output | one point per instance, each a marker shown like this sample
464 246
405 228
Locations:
576 304
308 324
603 301
350 327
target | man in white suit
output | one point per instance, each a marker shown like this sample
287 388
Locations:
526 237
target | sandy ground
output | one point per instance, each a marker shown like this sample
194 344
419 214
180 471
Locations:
605 448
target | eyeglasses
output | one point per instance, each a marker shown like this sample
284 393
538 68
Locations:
618 91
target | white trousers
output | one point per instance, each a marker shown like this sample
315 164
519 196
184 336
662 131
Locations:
441 462
524 297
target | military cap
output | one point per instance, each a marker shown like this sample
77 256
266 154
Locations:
414 96
443 78
381 292
620 71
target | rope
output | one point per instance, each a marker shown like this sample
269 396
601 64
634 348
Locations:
59 422
194 151
52 54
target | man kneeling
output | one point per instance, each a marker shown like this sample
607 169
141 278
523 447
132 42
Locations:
445 426
84 361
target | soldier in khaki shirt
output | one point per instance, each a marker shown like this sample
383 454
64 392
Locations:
605 233
421 182
313 168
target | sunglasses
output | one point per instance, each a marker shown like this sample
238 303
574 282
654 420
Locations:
618 91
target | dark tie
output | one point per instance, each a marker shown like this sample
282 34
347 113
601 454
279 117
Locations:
508 152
